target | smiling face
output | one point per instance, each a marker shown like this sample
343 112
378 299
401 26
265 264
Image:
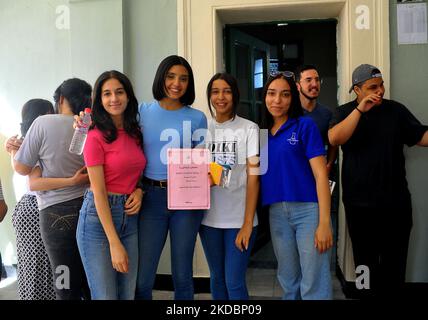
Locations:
309 84
114 97
222 98
278 99
176 82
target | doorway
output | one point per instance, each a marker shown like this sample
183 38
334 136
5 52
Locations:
252 52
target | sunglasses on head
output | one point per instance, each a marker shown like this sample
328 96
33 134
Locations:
286 74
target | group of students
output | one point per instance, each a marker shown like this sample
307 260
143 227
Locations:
111 233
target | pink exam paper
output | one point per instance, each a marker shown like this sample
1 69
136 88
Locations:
188 180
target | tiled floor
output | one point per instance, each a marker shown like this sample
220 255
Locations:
261 281
262 284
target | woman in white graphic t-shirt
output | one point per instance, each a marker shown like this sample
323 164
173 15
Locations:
228 230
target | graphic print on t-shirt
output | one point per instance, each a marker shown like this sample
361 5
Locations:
224 152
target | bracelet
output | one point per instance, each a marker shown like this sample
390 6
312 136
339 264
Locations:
359 110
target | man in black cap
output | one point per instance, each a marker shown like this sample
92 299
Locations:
372 132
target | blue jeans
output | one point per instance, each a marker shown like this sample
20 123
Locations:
105 282
155 222
303 272
228 265
58 225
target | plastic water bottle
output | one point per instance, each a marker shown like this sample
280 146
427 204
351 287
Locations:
80 133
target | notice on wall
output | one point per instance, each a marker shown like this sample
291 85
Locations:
412 23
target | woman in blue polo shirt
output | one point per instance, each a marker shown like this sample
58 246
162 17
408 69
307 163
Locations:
296 188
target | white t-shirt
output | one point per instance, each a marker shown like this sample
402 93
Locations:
231 143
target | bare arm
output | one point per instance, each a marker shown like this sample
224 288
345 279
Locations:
19 167
331 157
13 143
424 141
253 185
119 256
344 130
3 210
3 206
323 235
37 183
12 146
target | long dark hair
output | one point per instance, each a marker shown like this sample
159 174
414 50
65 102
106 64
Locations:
158 87
31 110
102 119
295 109
231 81
77 92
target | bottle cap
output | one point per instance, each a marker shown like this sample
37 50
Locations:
87 110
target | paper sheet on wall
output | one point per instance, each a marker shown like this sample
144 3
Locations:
412 23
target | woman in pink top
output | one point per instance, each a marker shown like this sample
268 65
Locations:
108 224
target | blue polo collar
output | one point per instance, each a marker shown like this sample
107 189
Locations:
285 126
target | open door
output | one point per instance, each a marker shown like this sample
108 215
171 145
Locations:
247 59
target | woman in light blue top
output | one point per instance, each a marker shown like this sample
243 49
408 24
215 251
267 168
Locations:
168 122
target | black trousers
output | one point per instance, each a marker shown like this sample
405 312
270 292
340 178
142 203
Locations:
58 225
380 240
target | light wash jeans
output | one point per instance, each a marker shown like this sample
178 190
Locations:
155 222
228 265
303 272
105 282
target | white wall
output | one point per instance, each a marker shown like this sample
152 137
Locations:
41 48
35 57
96 37
150 34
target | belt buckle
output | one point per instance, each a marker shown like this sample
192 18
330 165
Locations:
162 184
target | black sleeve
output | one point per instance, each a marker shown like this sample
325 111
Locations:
339 114
412 129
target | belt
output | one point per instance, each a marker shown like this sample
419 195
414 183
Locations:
155 183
